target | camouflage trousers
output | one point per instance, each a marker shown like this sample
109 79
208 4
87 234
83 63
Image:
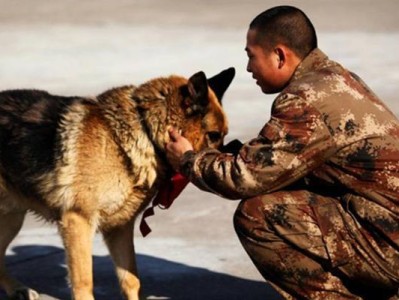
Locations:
300 243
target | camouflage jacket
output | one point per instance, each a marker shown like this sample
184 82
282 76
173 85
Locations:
328 129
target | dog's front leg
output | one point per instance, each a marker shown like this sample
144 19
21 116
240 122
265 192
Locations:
121 247
77 234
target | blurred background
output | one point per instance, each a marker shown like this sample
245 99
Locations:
80 47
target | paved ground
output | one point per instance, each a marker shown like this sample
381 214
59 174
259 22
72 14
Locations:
84 47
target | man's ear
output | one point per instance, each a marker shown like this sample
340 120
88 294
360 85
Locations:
220 82
197 88
281 56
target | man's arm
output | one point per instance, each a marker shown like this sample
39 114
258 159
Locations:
293 143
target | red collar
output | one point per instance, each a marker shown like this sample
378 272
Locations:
164 199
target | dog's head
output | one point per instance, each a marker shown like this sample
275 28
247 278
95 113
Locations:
205 122
191 105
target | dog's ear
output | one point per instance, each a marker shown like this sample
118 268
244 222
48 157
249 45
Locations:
197 90
220 82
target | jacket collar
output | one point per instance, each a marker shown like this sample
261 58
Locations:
315 60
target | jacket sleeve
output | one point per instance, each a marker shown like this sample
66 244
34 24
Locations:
294 142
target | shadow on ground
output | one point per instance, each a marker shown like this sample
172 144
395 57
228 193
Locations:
43 268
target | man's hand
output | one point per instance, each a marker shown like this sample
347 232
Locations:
177 146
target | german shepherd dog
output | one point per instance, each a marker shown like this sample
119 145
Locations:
93 164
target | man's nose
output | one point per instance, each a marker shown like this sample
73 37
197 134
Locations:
249 68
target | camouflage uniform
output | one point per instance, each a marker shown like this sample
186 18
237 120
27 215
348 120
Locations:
320 215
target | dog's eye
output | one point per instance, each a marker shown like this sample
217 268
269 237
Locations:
214 136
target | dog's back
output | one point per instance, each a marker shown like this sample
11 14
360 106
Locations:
28 126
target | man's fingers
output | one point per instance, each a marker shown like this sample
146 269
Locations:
174 134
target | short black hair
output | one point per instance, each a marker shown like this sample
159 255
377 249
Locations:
287 25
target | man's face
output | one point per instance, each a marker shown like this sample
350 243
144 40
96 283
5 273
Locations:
264 65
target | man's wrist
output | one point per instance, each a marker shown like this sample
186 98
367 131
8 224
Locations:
186 163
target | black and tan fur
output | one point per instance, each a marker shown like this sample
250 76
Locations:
93 164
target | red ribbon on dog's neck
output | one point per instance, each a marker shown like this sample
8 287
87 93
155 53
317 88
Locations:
164 199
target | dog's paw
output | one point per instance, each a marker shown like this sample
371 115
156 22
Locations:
24 294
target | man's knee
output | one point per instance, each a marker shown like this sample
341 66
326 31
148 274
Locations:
249 217
251 212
